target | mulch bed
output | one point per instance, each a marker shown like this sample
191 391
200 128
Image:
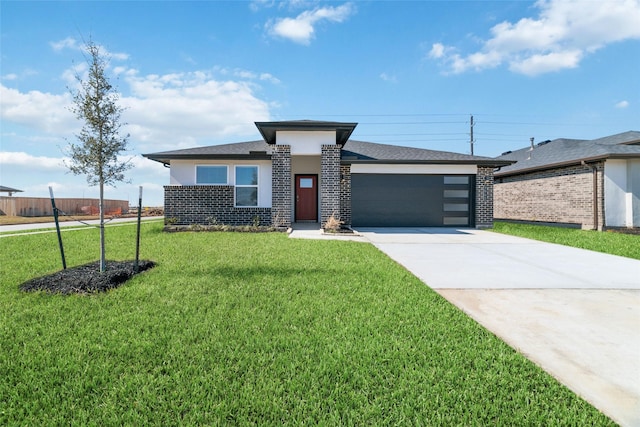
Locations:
86 279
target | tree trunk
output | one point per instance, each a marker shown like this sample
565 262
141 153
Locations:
103 259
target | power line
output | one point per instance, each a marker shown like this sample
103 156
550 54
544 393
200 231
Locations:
384 115
413 134
411 123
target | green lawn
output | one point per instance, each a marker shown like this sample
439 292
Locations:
626 245
242 329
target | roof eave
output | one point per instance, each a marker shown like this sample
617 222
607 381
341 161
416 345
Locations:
488 163
167 160
566 163
343 129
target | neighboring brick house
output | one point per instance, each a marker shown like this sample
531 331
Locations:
593 184
307 171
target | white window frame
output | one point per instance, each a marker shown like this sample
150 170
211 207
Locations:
226 168
256 186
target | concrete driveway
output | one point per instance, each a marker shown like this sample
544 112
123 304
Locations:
573 312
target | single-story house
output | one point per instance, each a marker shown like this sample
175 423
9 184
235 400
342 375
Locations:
593 184
308 171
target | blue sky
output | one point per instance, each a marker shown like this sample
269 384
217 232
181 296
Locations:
410 73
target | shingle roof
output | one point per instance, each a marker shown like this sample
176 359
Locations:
369 152
353 152
238 150
568 151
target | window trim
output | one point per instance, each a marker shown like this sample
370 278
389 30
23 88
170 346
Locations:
236 186
226 167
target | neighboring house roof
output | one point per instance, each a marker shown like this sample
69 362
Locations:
564 152
354 152
9 190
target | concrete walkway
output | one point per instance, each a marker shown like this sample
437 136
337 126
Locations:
313 231
575 313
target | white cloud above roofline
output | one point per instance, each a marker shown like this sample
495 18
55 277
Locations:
302 28
161 111
622 104
562 34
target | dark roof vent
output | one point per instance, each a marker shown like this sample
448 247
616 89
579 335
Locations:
506 152
544 142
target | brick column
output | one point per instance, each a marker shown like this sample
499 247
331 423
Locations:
345 194
281 186
484 197
330 183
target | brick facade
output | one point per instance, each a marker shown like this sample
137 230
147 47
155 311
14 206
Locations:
208 204
214 204
484 197
281 186
329 182
345 194
560 195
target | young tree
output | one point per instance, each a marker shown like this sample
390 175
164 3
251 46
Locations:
95 102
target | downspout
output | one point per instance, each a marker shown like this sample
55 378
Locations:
594 192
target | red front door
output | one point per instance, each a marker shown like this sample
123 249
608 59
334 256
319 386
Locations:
306 197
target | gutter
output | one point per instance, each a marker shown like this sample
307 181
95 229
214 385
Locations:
594 192
167 160
488 163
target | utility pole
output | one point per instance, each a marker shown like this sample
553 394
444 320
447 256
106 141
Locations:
471 140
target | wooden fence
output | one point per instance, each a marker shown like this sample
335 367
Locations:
41 206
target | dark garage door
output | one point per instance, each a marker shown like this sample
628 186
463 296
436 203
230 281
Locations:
395 200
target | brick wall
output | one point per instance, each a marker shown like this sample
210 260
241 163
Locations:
484 197
208 204
345 194
329 182
561 195
281 186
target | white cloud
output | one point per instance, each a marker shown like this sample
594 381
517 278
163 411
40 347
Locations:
142 164
539 64
256 5
30 162
269 78
388 78
622 104
562 34
34 174
185 109
301 29
437 50
68 43
44 111
10 76
161 111
73 44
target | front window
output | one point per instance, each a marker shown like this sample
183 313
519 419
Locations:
246 185
211 175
